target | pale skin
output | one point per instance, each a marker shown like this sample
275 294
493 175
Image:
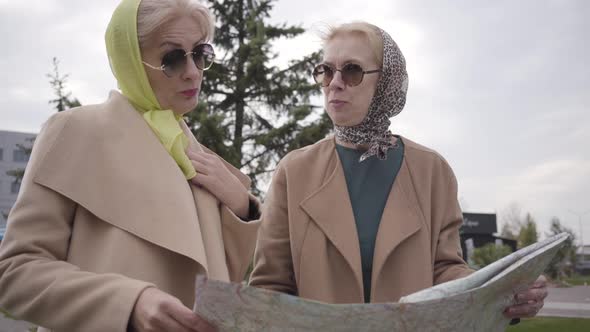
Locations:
349 105
185 32
212 175
156 310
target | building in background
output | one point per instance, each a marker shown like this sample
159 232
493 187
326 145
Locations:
11 158
583 260
478 230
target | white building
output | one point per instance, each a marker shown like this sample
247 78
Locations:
11 158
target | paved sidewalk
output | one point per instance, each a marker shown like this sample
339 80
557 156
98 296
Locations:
567 302
9 325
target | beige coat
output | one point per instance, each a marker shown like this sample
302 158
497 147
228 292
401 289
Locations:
104 212
308 243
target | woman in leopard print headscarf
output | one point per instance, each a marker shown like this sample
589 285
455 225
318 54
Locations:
388 101
364 215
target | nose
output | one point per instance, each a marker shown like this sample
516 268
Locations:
337 83
191 72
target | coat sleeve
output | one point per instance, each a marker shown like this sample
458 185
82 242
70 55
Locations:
273 263
239 238
37 283
449 263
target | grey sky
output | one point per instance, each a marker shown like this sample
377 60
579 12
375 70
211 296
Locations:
500 88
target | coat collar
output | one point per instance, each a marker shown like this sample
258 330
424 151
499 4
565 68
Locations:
107 159
330 208
209 216
401 219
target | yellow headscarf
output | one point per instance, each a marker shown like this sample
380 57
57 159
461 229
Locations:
125 60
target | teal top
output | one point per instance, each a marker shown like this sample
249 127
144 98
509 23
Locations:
369 184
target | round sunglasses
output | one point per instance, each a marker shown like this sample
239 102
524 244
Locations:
175 61
352 74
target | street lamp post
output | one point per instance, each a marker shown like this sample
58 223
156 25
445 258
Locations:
581 231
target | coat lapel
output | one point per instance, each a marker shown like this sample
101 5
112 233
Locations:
330 208
109 161
209 220
401 218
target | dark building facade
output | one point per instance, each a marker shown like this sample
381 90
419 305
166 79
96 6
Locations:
480 229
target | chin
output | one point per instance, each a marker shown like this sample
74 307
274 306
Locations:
185 107
343 120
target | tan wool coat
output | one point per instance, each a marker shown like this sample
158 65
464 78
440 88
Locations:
104 212
308 243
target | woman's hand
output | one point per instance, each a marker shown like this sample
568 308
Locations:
159 311
530 301
218 180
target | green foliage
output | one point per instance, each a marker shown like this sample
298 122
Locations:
528 232
63 100
489 253
18 173
253 112
577 280
562 264
550 324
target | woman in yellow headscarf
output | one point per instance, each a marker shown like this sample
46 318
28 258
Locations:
113 220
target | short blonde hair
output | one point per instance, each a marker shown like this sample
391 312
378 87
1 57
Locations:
155 13
370 31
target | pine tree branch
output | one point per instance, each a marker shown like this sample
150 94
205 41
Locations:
216 91
257 156
262 120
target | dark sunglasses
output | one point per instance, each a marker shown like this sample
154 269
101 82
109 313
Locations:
175 61
352 74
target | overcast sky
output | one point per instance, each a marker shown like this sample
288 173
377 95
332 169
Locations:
500 88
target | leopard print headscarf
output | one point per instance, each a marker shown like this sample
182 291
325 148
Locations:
388 101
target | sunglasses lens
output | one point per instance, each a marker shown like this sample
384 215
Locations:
352 74
173 62
323 75
203 55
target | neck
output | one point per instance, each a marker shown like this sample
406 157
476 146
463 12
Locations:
352 145
362 147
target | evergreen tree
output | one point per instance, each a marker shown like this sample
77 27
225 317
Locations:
562 264
253 113
62 102
528 232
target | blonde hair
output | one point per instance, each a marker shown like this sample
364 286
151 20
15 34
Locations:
154 13
369 31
